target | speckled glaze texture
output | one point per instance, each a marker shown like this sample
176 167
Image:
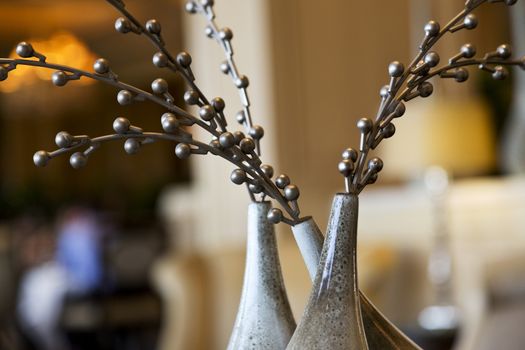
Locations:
264 319
310 242
332 318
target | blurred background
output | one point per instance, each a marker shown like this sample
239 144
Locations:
148 252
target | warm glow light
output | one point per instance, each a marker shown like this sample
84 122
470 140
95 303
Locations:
61 48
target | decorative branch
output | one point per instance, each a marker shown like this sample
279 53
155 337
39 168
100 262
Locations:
412 82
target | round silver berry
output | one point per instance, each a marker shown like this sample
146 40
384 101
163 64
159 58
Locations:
121 125
400 110
432 28
364 125
123 25
470 21
207 3
499 73
282 181
160 60
275 216
78 160
184 59
346 167
291 192
425 89
225 67
238 176
159 86
218 104
101 66
41 158
431 59
388 131
461 75
240 117
267 170
349 154
169 122
153 26
242 82
255 188
182 151
132 146
209 32
396 69
25 50
227 140
468 50
247 145
191 7
238 136
257 132
375 165
384 92
504 51
191 97
226 34
59 78
64 139
124 97
206 112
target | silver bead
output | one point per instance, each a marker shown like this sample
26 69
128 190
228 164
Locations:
225 34
238 176
400 110
207 3
461 75
504 51
468 50
375 165
425 89
3 73
153 26
257 132
218 104
191 97
169 122
225 67
59 78
124 97
500 73
267 170
101 66
160 60
396 69
123 25
227 140
64 139
121 125
190 7
255 188
389 130
240 117
247 145
275 216
184 59
364 125
238 136
132 146
431 59
78 160
372 179
282 181
384 92
291 192
470 21
346 167
206 112
182 151
208 31
25 50
432 28
242 82
215 144
41 158
159 86
349 154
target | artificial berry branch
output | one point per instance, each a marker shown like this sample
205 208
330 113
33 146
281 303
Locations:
412 82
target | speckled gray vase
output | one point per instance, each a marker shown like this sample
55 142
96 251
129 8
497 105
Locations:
264 319
332 318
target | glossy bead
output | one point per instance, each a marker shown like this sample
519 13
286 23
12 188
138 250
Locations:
160 60
227 140
461 75
275 215
159 86
64 139
169 122
3 73
396 69
182 151
190 7
282 181
225 34
255 188
291 192
247 145
432 28
345 167
425 89
389 130
225 67
468 50
121 125
257 132
215 144
470 21
124 97
504 51
101 66
132 146
59 78
364 125
375 165
78 160
431 59
206 112
350 154
238 176
499 73
384 92
267 170
123 25
208 31
41 158
400 110
153 26
372 179
240 117
206 3
218 104
25 50
238 136
184 59
191 97
242 82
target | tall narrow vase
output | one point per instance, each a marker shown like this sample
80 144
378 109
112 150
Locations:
332 318
264 319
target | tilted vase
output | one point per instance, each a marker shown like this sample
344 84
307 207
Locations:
264 319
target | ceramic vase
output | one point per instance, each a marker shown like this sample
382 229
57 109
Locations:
264 318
